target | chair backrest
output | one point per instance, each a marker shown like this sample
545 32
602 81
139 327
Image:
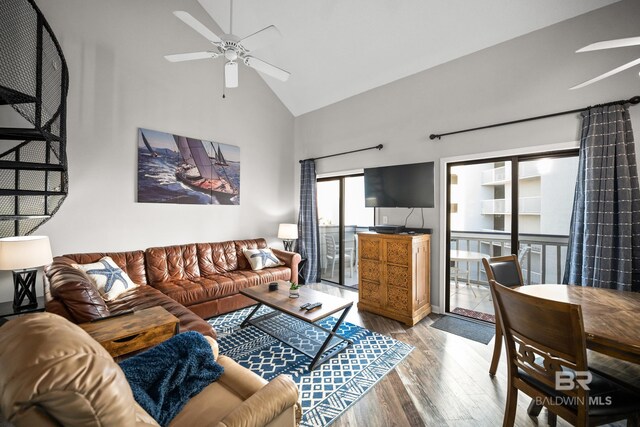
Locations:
504 269
330 245
542 337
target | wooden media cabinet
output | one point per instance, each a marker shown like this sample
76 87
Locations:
394 275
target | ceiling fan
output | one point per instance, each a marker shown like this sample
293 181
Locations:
610 44
233 48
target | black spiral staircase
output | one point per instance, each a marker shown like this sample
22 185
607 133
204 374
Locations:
34 81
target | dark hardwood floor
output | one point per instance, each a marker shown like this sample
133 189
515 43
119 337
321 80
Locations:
443 382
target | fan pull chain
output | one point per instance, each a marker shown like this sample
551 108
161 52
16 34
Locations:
224 85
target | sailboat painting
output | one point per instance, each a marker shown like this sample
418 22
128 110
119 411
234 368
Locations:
183 170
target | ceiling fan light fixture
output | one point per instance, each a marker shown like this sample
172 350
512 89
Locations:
231 74
231 55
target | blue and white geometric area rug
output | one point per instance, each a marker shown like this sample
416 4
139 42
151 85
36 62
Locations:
332 387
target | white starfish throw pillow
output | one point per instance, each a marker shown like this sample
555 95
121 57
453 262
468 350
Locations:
261 258
110 280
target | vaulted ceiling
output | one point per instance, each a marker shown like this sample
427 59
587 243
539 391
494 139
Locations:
335 49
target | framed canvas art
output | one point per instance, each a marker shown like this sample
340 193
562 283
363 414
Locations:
184 170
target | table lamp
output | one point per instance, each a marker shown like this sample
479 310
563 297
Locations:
288 233
22 254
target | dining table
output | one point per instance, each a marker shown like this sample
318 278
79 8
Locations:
611 318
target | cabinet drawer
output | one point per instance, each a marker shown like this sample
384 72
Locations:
398 300
369 248
370 270
139 341
399 276
398 252
370 293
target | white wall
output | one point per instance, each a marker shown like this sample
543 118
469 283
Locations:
526 76
119 82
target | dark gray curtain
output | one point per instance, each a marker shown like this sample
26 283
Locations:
308 230
604 239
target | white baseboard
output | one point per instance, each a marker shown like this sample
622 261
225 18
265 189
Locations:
436 309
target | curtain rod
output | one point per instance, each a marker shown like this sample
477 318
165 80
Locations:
633 101
377 147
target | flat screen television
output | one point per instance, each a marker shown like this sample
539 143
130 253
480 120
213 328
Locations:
400 186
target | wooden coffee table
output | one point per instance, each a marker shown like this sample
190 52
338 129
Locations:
279 300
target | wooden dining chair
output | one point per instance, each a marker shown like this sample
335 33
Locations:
506 271
544 338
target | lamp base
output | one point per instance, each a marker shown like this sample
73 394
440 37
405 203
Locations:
24 286
288 245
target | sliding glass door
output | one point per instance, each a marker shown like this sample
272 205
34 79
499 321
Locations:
341 214
482 196
547 185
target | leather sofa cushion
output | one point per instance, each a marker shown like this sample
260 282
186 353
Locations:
241 245
246 278
131 262
145 296
179 262
215 258
220 398
74 291
198 290
188 292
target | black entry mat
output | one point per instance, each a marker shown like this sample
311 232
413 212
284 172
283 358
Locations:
465 328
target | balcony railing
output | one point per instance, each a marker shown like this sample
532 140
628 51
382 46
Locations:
502 174
527 206
496 176
542 261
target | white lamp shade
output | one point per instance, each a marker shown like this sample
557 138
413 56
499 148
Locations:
21 252
288 231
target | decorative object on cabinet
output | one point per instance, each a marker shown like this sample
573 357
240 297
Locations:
393 279
34 81
179 169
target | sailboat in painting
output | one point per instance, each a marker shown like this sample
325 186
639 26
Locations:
218 157
198 172
146 143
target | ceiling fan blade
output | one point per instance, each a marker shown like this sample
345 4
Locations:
178 57
607 74
231 74
266 68
610 44
197 25
261 38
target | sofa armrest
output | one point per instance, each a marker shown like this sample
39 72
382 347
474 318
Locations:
291 260
242 381
266 405
214 346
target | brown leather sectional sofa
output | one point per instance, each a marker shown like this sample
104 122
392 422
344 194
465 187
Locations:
193 281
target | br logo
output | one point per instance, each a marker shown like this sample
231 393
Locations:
567 380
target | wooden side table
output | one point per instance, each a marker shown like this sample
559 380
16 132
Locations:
132 332
7 310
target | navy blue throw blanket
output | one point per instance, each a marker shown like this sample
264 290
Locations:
164 378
